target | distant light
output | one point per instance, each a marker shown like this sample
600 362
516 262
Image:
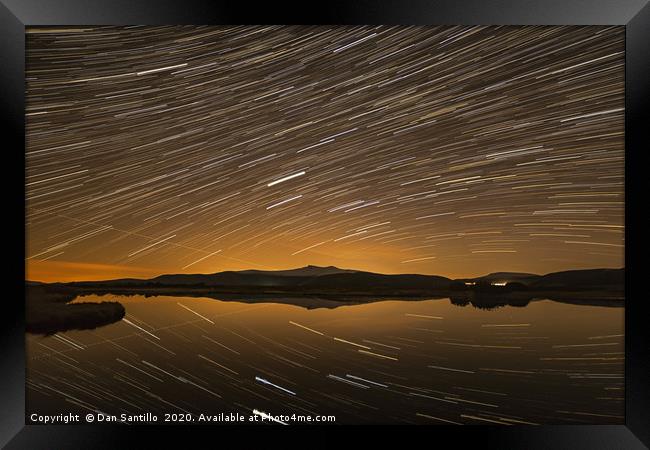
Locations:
470 283
499 283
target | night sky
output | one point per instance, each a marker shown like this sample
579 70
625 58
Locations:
447 150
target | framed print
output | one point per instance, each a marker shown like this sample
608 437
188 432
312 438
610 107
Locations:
392 218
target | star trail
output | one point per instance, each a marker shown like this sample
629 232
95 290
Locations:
448 150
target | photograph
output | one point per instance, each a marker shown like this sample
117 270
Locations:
325 224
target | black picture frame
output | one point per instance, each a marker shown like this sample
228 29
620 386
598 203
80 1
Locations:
15 15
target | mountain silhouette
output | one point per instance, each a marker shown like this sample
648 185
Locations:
307 271
308 277
358 280
581 279
333 279
262 278
510 276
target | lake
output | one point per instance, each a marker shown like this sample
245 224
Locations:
390 361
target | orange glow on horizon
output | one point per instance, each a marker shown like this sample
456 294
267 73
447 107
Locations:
63 271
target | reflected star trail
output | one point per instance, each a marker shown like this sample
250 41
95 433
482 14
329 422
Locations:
384 362
446 150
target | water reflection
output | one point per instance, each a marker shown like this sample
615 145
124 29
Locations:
389 361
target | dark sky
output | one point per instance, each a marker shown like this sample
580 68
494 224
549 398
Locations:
445 150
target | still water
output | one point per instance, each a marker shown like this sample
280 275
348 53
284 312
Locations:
393 362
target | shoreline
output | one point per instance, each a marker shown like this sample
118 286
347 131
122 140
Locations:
51 307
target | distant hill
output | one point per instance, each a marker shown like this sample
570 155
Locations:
361 280
309 277
307 271
581 279
292 277
595 279
510 276
333 279
522 277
